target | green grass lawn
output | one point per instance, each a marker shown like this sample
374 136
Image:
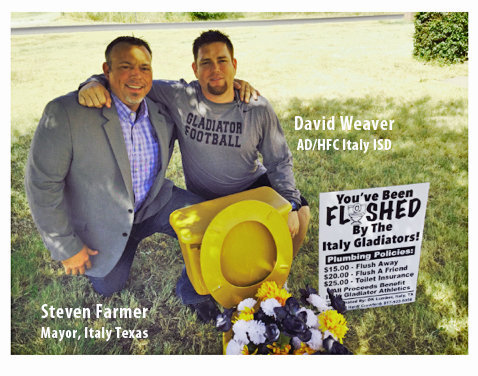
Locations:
365 70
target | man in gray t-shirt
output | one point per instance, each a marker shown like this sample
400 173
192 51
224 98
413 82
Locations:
220 142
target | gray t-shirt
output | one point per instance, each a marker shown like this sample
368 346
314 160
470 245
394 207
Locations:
220 142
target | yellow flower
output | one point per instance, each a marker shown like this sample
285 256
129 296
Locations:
246 314
334 322
245 351
304 349
278 350
269 290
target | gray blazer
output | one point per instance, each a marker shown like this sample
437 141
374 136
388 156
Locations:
78 180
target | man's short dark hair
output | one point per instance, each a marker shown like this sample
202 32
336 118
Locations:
212 36
130 40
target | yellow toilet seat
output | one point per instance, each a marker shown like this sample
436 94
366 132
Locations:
244 245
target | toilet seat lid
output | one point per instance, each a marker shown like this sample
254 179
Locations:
233 268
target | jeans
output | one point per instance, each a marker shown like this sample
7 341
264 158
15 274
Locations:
115 280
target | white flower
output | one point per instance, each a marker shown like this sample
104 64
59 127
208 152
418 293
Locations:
234 348
269 305
256 330
318 302
249 302
240 331
246 331
315 342
312 320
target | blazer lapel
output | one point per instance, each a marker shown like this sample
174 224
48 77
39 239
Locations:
116 139
164 137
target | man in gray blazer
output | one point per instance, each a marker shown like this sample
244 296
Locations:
95 178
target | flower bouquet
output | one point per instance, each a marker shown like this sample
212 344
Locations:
277 324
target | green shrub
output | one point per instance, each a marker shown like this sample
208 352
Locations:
201 16
441 36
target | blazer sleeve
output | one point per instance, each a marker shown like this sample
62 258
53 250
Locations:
47 167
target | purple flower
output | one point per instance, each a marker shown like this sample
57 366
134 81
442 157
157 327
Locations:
336 301
261 316
292 306
334 347
290 324
305 293
272 333
223 320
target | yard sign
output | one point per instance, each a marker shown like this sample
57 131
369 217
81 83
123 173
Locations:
370 242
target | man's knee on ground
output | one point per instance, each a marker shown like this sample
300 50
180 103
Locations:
107 289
